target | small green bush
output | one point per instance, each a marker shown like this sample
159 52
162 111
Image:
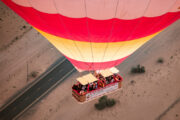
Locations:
102 99
138 69
24 26
132 82
100 105
133 70
110 102
160 60
104 102
142 69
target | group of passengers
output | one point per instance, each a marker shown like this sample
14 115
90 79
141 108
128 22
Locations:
82 89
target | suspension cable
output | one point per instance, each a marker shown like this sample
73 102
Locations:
69 34
131 32
107 44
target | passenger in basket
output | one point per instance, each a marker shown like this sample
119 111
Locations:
97 76
117 78
100 83
79 87
112 80
107 80
104 82
94 85
90 86
75 87
82 92
84 87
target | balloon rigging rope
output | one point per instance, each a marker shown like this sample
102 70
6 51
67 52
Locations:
131 34
138 24
161 18
45 23
89 34
151 29
70 34
110 34
46 26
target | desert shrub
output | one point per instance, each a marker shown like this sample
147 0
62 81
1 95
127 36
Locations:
142 70
110 102
101 105
24 26
138 69
104 102
133 70
132 82
102 99
160 60
16 37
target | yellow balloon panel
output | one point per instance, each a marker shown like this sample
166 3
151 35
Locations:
95 52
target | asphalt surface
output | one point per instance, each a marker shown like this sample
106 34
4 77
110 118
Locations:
38 90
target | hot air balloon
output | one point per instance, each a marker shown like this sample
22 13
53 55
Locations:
97 34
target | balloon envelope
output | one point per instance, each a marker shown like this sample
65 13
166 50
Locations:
97 34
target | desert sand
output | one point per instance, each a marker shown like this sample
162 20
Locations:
153 95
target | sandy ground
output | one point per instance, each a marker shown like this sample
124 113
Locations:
147 98
22 51
173 113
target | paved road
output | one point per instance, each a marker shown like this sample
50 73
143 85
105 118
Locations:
37 91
